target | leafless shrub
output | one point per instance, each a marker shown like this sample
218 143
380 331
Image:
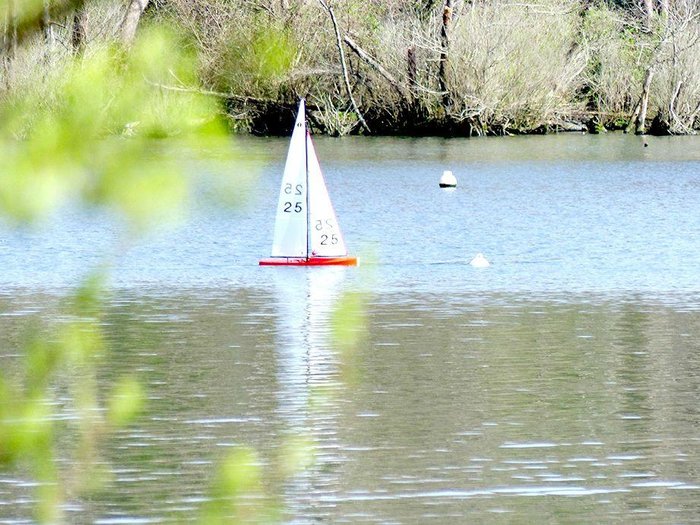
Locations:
514 64
676 93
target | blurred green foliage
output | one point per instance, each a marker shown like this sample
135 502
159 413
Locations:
90 135
236 487
70 349
95 141
23 11
349 321
256 60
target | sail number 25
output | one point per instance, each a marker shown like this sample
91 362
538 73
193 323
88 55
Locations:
329 239
295 207
326 239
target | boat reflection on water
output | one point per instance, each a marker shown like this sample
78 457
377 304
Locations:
308 377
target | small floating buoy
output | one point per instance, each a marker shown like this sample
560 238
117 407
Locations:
479 261
448 180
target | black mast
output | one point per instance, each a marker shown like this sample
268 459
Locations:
306 160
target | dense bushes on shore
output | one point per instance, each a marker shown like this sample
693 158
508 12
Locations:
424 67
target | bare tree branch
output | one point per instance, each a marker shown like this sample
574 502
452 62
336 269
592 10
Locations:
327 6
372 62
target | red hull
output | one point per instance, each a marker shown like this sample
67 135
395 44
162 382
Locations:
311 261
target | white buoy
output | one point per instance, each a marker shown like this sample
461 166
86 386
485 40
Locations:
448 180
479 261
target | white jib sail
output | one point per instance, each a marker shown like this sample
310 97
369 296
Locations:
290 236
325 237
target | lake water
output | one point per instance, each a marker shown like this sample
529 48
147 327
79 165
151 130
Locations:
561 384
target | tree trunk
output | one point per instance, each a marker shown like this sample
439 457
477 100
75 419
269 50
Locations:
673 120
648 8
374 64
4 37
3 49
412 66
642 117
412 73
444 51
10 31
693 116
79 32
46 27
131 20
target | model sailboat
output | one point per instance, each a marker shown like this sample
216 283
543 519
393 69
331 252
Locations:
306 228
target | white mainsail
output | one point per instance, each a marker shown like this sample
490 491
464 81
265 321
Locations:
305 224
291 237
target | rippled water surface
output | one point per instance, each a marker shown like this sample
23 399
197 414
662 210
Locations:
559 385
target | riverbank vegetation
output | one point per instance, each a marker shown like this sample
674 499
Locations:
398 67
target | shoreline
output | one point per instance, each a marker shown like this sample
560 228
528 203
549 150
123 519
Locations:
261 117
